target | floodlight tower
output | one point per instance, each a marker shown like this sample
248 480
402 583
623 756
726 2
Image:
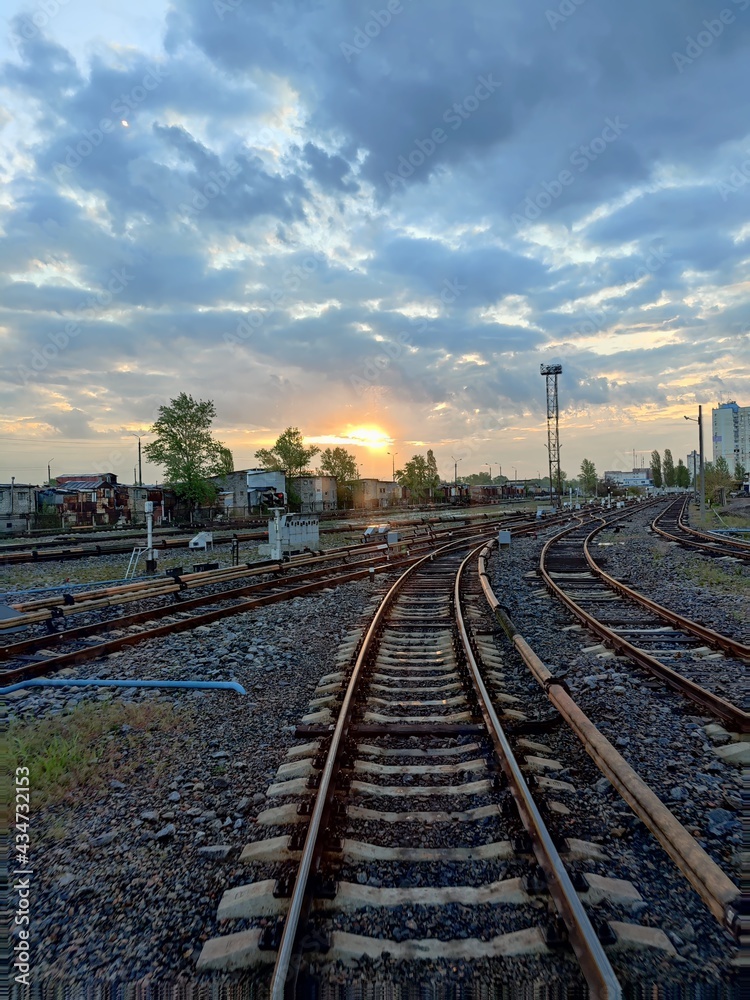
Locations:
550 373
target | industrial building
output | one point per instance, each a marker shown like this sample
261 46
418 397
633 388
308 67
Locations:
730 426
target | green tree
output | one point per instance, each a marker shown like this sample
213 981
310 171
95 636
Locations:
588 478
340 463
717 475
289 454
668 468
416 476
187 450
433 476
681 475
739 472
656 468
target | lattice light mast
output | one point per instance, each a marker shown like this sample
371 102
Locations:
550 373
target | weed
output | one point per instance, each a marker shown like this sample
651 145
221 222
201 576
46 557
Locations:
731 579
89 746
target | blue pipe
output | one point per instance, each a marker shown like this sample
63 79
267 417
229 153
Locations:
193 685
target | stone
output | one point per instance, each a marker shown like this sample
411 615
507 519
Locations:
174 797
220 851
166 831
103 839
720 822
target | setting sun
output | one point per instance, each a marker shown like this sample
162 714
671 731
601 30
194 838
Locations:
366 437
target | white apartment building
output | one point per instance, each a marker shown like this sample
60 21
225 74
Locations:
731 434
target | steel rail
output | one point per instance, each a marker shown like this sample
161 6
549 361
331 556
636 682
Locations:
722 897
284 973
55 663
43 553
708 635
720 547
36 611
343 574
730 542
588 948
719 707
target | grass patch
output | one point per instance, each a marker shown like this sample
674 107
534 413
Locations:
710 575
90 746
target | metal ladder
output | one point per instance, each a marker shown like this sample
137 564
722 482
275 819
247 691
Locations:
135 555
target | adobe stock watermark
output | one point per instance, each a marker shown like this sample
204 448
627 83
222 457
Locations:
389 351
581 158
32 24
224 7
597 320
373 27
565 10
291 281
40 358
455 116
705 38
217 184
738 178
92 138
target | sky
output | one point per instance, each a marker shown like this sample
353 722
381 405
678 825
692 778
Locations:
372 221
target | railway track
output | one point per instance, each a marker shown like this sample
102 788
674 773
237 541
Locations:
672 525
53 551
664 643
416 744
49 651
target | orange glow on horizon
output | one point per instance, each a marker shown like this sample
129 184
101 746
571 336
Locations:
365 436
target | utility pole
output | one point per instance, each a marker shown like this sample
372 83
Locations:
140 467
455 470
701 464
553 428
49 473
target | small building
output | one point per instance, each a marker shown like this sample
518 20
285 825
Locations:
135 498
485 493
246 491
642 478
374 493
18 505
315 493
92 498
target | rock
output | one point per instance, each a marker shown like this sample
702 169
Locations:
103 839
117 784
603 786
215 851
720 822
219 754
687 931
174 797
678 794
166 831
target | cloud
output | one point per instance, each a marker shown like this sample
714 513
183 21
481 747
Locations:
249 192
